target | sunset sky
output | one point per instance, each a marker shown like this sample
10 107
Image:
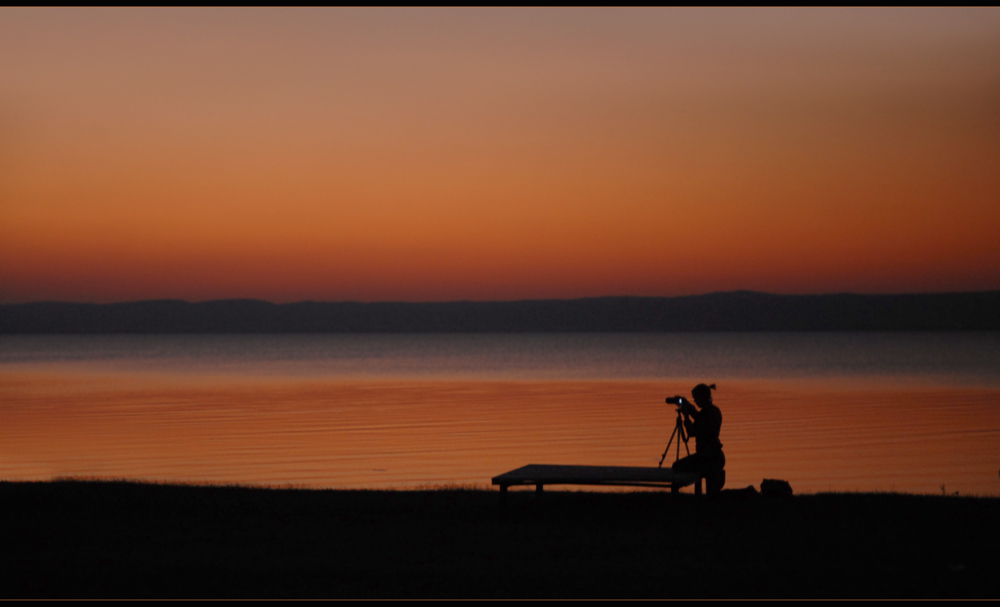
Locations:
429 155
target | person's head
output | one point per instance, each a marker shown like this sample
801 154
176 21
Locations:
702 395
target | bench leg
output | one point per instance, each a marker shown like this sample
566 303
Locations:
538 488
697 487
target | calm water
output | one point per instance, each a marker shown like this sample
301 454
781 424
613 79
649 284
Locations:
854 412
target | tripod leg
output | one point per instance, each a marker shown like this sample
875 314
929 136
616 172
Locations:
679 434
667 450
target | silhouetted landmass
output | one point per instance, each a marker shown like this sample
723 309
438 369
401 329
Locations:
115 539
736 311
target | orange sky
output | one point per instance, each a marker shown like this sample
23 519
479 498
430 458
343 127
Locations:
496 154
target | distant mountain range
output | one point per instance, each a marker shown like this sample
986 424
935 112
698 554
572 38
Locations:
734 311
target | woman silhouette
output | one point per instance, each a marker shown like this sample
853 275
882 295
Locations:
704 425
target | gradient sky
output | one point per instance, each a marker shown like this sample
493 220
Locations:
397 154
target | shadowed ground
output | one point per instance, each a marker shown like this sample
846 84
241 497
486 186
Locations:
115 539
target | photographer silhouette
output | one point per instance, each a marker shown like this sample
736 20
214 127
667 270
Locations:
704 424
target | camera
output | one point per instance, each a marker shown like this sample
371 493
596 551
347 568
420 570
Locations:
683 406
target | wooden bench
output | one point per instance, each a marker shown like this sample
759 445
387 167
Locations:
540 475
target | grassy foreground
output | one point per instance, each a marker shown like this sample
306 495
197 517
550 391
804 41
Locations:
117 539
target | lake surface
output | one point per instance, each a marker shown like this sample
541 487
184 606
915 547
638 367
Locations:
914 412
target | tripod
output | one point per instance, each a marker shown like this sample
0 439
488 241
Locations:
681 435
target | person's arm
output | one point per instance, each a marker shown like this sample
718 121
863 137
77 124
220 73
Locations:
691 420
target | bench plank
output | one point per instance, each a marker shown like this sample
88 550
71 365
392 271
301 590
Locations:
545 474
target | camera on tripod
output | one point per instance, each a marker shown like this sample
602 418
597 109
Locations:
685 407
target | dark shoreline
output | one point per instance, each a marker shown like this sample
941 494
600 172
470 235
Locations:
121 539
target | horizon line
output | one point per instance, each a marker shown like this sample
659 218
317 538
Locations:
497 301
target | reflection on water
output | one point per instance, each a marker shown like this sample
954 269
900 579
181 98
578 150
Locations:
946 358
257 409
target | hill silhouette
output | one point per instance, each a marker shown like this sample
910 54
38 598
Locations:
733 311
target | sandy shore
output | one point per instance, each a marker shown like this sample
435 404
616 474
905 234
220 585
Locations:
105 539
